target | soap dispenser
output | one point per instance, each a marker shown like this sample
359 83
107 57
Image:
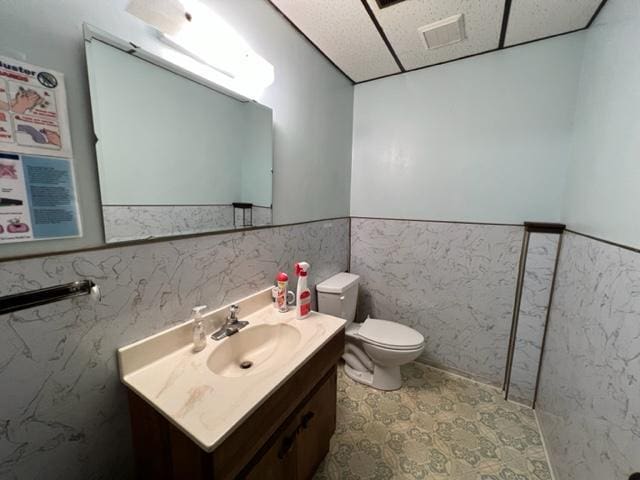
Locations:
199 335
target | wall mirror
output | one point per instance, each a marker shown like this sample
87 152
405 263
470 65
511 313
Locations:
176 155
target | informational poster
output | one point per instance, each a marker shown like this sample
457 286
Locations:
37 198
37 185
33 110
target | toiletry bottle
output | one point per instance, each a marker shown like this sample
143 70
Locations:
303 294
282 280
199 335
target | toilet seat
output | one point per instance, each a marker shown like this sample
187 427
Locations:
388 335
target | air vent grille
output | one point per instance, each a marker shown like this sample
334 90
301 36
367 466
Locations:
387 3
443 32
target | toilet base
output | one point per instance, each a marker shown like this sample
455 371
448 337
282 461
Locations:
382 378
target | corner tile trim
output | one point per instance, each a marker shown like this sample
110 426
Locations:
425 220
544 333
602 240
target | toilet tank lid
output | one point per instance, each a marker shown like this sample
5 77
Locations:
339 283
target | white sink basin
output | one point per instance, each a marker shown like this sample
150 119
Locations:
254 349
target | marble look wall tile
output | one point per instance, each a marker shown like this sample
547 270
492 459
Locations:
124 223
63 411
536 288
260 216
589 394
454 283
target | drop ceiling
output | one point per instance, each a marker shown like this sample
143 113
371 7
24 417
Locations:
366 41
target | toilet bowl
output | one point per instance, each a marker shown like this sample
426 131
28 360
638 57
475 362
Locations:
375 349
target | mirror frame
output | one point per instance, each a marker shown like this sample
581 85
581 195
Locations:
91 33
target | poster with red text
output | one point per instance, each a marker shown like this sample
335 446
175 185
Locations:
33 110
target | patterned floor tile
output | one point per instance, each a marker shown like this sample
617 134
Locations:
438 426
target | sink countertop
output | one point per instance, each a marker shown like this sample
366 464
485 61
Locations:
164 371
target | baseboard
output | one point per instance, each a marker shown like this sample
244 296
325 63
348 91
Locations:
458 374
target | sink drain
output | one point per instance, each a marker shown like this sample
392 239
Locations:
246 364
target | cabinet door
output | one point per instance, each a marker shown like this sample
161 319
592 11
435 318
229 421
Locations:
279 462
317 424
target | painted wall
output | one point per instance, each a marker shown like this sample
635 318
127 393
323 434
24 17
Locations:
604 177
64 411
454 283
589 395
484 139
311 100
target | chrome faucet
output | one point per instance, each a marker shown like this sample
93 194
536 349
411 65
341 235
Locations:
231 326
232 319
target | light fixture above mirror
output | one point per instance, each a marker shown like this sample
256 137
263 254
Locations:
201 41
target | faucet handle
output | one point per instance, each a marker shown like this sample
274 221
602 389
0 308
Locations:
233 309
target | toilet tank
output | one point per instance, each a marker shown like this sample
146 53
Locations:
338 296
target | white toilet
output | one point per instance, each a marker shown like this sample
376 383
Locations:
374 349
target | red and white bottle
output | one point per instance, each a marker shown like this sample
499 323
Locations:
303 294
281 294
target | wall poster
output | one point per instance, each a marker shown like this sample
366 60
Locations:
38 197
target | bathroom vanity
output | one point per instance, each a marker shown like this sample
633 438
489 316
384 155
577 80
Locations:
202 415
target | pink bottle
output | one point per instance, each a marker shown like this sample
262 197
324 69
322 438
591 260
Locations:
282 280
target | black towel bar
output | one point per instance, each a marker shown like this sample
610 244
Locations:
34 298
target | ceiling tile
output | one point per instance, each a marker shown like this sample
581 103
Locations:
343 30
400 22
533 19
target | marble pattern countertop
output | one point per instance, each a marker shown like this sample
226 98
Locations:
164 370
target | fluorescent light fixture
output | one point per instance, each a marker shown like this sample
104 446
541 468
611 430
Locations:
191 28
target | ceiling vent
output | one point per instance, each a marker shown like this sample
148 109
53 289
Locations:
387 3
443 32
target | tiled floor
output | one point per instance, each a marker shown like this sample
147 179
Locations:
438 426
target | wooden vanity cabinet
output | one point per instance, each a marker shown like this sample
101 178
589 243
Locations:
285 438
298 447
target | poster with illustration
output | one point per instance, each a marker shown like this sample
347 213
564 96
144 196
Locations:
6 131
33 110
15 218
37 185
37 198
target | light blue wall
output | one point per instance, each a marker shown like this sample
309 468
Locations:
603 194
311 100
312 113
484 139
589 399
